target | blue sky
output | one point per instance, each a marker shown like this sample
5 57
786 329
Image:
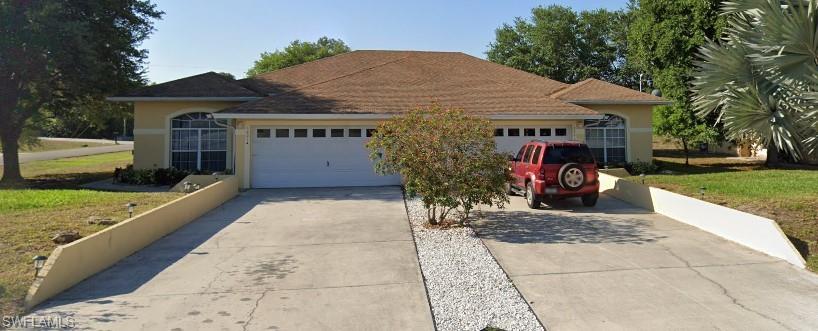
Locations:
200 36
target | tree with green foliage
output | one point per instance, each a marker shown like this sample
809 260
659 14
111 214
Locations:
56 53
761 78
88 117
664 36
446 157
296 53
561 44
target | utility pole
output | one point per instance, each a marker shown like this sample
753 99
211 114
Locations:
640 82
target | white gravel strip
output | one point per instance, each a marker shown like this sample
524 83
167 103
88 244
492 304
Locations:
467 288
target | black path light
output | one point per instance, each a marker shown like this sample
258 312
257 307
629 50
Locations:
39 262
642 176
701 191
130 206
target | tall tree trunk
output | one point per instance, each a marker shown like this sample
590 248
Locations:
772 155
687 152
11 160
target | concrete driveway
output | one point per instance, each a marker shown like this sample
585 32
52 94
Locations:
619 267
295 259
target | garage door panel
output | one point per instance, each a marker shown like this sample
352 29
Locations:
314 162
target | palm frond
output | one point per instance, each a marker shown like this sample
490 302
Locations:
752 111
788 42
721 68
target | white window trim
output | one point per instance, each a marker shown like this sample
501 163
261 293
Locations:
198 147
625 126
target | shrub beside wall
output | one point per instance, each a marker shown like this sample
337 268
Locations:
159 176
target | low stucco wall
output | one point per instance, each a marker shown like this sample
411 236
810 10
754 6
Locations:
756 232
201 180
70 264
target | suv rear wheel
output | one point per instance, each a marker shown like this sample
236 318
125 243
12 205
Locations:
589 200
571 176
532 199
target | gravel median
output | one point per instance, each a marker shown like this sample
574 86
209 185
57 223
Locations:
467 288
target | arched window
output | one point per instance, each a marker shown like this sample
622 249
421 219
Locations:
607 138
197 143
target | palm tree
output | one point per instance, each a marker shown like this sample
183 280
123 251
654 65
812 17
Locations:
762 77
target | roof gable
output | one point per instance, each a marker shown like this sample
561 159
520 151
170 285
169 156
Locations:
597 91
206 85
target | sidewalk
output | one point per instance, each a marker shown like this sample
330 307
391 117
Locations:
63 153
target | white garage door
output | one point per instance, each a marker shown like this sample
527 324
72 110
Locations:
510 139
313 157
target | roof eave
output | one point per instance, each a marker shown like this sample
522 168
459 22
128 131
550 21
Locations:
134 99
620 102
268 116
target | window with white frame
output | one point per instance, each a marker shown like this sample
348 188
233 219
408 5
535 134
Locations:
607 138
197 142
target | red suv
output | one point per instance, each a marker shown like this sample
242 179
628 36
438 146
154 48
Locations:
554 170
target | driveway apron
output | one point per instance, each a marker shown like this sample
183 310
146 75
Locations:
616 266
294 259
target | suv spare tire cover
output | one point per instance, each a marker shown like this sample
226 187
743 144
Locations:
571 176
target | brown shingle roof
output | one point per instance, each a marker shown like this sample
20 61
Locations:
597 91
206 85
388 82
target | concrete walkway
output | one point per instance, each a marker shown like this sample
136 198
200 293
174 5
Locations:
74 152
617 267
295 259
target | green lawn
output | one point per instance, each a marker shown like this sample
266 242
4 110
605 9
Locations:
51 202
788 196
53 145
66 173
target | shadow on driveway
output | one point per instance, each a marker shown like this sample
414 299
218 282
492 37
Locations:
127 275
567 222
131 273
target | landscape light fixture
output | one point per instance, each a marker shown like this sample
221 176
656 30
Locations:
642 176
701 191
39 262
130 206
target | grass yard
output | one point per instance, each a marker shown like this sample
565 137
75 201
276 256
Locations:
53 145
788 196
51 202
68 172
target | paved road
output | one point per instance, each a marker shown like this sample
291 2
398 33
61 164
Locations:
619 267
74 152
296 259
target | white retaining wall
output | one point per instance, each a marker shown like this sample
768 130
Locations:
756 232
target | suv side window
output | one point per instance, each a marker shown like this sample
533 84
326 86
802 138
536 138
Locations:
527 156
536 158
519 157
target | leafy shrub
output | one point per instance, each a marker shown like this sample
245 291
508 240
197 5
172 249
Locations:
446 157
159 176
641 167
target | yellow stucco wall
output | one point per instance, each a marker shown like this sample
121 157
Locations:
71 263
639 122
152 129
